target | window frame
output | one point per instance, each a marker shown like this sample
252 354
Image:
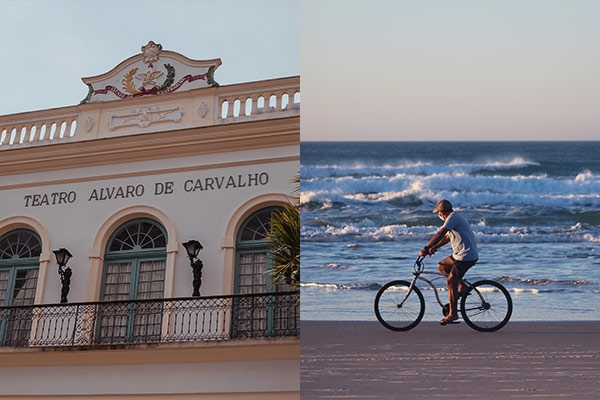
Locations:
248 312
18 321
134 258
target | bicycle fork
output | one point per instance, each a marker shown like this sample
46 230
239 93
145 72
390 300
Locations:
409 291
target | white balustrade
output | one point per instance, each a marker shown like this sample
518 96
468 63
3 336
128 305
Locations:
258 104
37 131
243 102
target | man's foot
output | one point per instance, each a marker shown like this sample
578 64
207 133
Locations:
449 320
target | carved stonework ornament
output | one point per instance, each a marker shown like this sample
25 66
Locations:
89 123
152 72
145 116
202 109
151 52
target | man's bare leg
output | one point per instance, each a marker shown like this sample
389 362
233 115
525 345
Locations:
452 284
447 267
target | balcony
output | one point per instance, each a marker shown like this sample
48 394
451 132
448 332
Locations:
176 320
238 103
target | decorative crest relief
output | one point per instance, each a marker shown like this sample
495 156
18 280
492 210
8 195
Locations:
152 72
144 117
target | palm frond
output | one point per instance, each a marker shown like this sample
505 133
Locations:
284 242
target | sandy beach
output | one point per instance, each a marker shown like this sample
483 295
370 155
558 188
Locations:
363 360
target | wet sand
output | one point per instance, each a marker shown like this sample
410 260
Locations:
363 360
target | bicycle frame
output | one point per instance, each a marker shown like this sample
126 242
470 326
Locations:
419 269
430 282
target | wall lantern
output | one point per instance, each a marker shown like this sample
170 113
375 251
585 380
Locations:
193 247
62 257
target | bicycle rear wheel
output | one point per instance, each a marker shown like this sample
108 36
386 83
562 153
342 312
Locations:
486 306
396 308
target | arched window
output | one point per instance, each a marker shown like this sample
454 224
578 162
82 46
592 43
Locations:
134 270
253 255
256 316
19 265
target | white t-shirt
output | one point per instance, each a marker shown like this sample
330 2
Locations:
462 238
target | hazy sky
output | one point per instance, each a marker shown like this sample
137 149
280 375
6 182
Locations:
450 70
371 70
47 46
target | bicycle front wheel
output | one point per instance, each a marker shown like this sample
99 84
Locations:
397 308
486 306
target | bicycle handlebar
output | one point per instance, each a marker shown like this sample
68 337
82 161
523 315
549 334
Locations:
419 264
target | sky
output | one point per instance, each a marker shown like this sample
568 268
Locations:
450 70
370 70
47 46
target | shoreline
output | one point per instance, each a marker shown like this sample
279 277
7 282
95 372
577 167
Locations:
357 359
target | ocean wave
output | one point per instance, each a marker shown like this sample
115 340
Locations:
586 176
336 266
414 167
512 284
409 183
342 286
577 193
544 282
375 287
368 230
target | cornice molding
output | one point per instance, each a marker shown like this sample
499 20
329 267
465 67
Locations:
153 146
234 351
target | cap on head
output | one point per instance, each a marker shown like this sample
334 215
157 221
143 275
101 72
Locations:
443 205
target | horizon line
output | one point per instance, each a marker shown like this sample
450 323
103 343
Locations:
447 141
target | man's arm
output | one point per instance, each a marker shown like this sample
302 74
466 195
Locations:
438 240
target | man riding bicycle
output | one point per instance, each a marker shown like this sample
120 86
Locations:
458 232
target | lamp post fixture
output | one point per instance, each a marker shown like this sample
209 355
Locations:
62 257
193 247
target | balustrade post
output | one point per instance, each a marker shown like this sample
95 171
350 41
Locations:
230 108
254 105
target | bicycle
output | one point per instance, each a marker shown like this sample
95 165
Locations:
485 305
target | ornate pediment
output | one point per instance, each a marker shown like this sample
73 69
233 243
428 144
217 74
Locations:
152 72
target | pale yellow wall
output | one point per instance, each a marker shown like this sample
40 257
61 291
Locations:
95 157
264 366
82 168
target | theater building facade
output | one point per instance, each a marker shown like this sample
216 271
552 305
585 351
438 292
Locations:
99 296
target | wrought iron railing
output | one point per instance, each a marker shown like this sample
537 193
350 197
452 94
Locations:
210 318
